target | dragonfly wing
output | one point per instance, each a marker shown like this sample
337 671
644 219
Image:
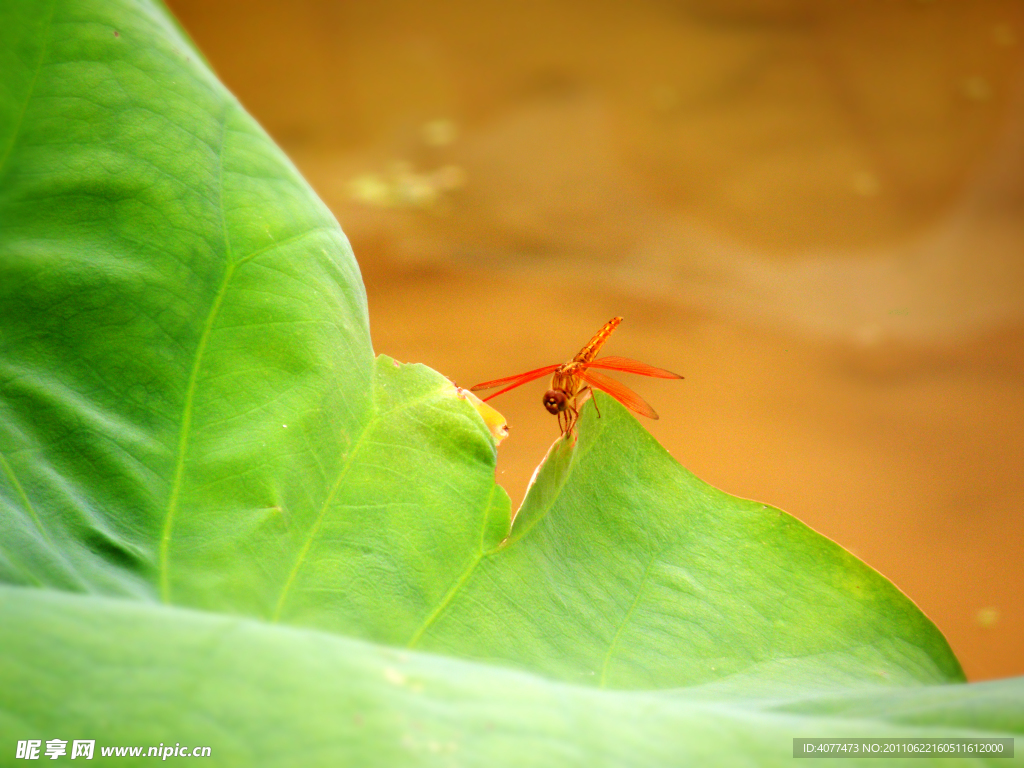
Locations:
620 392
632 366
514 381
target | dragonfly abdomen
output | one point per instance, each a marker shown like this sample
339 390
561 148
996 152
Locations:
590 351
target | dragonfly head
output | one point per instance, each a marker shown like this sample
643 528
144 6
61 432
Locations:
555 401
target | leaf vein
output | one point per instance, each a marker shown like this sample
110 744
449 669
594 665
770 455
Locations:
460 581
31 90
9 471
368 428
625 620
188 405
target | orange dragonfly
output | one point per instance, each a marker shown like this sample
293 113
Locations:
578 377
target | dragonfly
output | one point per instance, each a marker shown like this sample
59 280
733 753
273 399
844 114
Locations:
578 377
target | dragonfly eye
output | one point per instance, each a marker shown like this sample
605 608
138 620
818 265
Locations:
554 401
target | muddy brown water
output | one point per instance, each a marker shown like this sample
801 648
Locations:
814 213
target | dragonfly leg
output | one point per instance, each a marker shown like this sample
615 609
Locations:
585 393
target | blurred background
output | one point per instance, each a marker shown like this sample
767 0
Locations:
812 210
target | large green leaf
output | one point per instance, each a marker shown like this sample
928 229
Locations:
625 570
264 695
191 416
